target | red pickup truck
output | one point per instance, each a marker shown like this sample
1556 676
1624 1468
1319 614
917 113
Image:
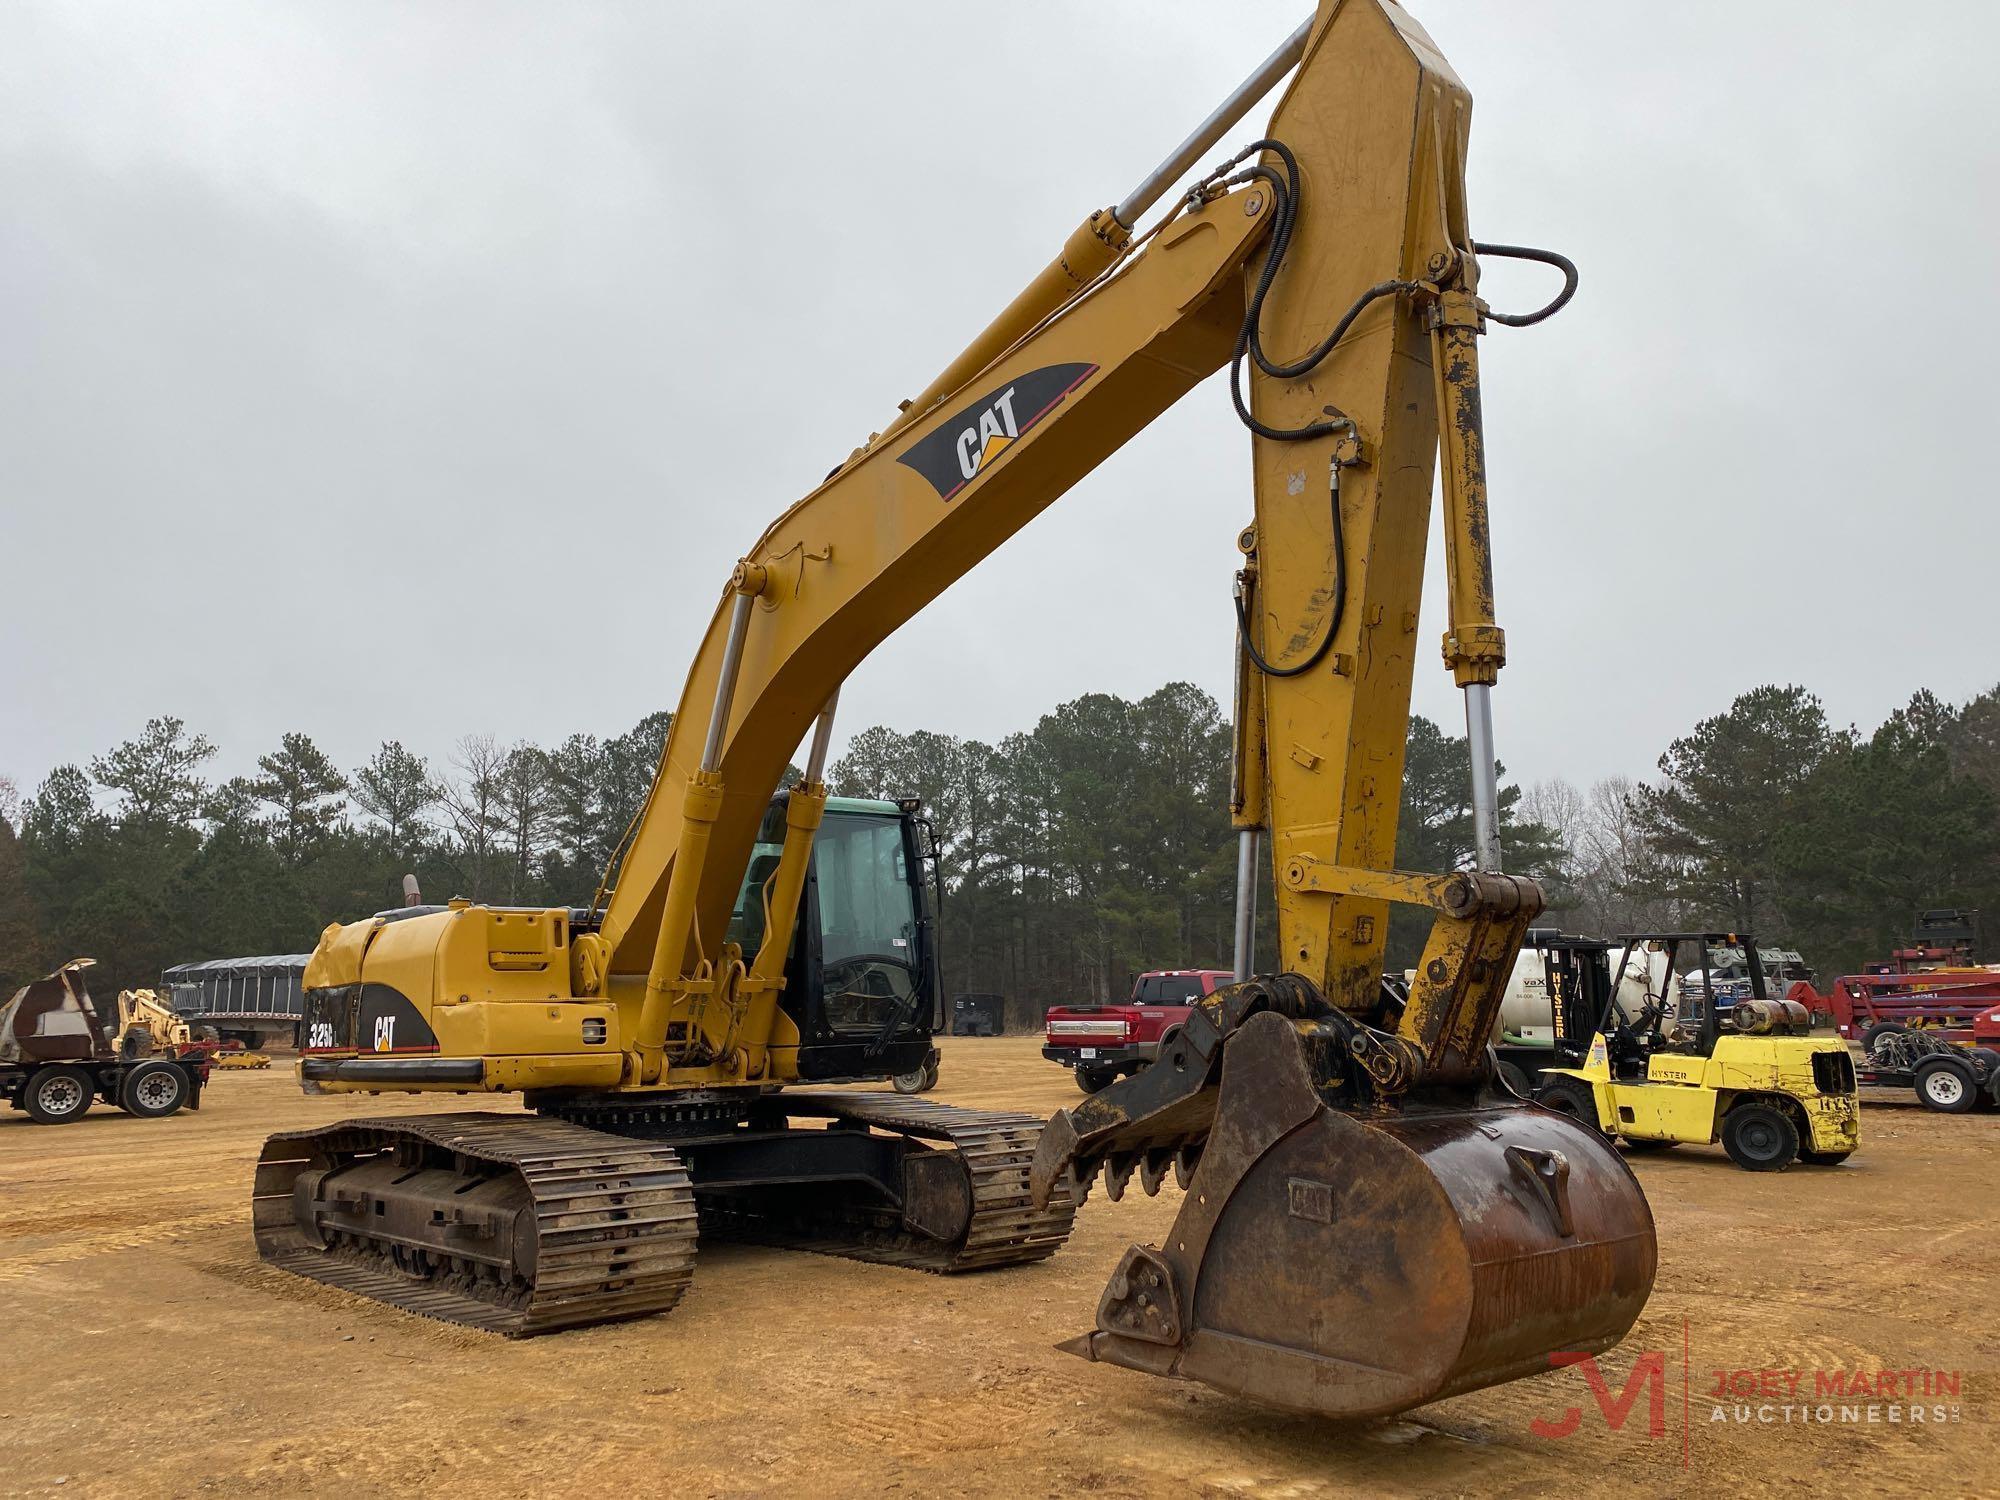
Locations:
1102 1041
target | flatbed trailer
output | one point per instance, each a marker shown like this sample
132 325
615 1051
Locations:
57 1057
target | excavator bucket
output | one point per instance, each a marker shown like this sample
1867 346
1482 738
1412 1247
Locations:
1341 1249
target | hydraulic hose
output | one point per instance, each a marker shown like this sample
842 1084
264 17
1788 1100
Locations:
1286 188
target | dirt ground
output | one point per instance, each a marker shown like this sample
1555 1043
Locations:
147 1352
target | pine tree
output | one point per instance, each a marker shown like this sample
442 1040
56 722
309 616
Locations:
306 790
396 789
1729 789
521 809
625 772
1883 829
157 775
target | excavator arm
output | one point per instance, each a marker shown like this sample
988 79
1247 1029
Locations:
836 574
1354 216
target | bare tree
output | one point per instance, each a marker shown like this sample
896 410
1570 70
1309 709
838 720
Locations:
472 800
1610 878
1560 808
10 803
1622 865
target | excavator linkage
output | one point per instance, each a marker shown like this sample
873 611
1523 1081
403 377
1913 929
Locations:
1338 1252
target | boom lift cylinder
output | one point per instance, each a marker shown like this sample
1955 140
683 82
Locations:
703 804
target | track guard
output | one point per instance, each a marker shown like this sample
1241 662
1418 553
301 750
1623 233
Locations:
1357 1263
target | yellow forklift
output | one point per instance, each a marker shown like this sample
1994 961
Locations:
1736 1066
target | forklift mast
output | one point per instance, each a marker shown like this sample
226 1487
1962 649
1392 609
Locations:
1578 971
1709 1023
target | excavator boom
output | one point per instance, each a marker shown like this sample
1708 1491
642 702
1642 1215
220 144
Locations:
1371 1220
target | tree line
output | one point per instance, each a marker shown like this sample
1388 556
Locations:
1072 854
140 860
1767 818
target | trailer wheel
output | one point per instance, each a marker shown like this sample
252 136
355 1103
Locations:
1947 1085
1516 1079
1760 1138
57 1095
153 1090
1879 1029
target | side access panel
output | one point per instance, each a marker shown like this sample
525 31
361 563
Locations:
1663 1112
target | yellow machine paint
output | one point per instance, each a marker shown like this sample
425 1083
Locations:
1751 1079
492 985
1463 1233
1685 1099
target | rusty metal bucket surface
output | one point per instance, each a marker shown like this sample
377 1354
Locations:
1355 1265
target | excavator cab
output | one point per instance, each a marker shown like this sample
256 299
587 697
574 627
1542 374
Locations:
861 979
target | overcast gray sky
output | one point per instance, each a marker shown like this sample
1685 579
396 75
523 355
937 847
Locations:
402 370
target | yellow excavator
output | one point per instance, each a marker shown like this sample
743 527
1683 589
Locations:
1371 1220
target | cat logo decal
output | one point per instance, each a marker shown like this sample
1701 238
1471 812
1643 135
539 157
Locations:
956 453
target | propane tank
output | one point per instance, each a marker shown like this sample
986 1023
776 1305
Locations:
1768 1017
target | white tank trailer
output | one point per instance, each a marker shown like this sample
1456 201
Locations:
1526 1016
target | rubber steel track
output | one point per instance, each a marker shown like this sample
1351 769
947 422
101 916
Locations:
614 1221
997 1149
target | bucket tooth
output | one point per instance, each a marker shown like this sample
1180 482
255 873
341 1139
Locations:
1185 1161
1152 1168
1118 1172
1078 1181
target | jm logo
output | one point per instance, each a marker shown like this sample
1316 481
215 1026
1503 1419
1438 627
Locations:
1648 1378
